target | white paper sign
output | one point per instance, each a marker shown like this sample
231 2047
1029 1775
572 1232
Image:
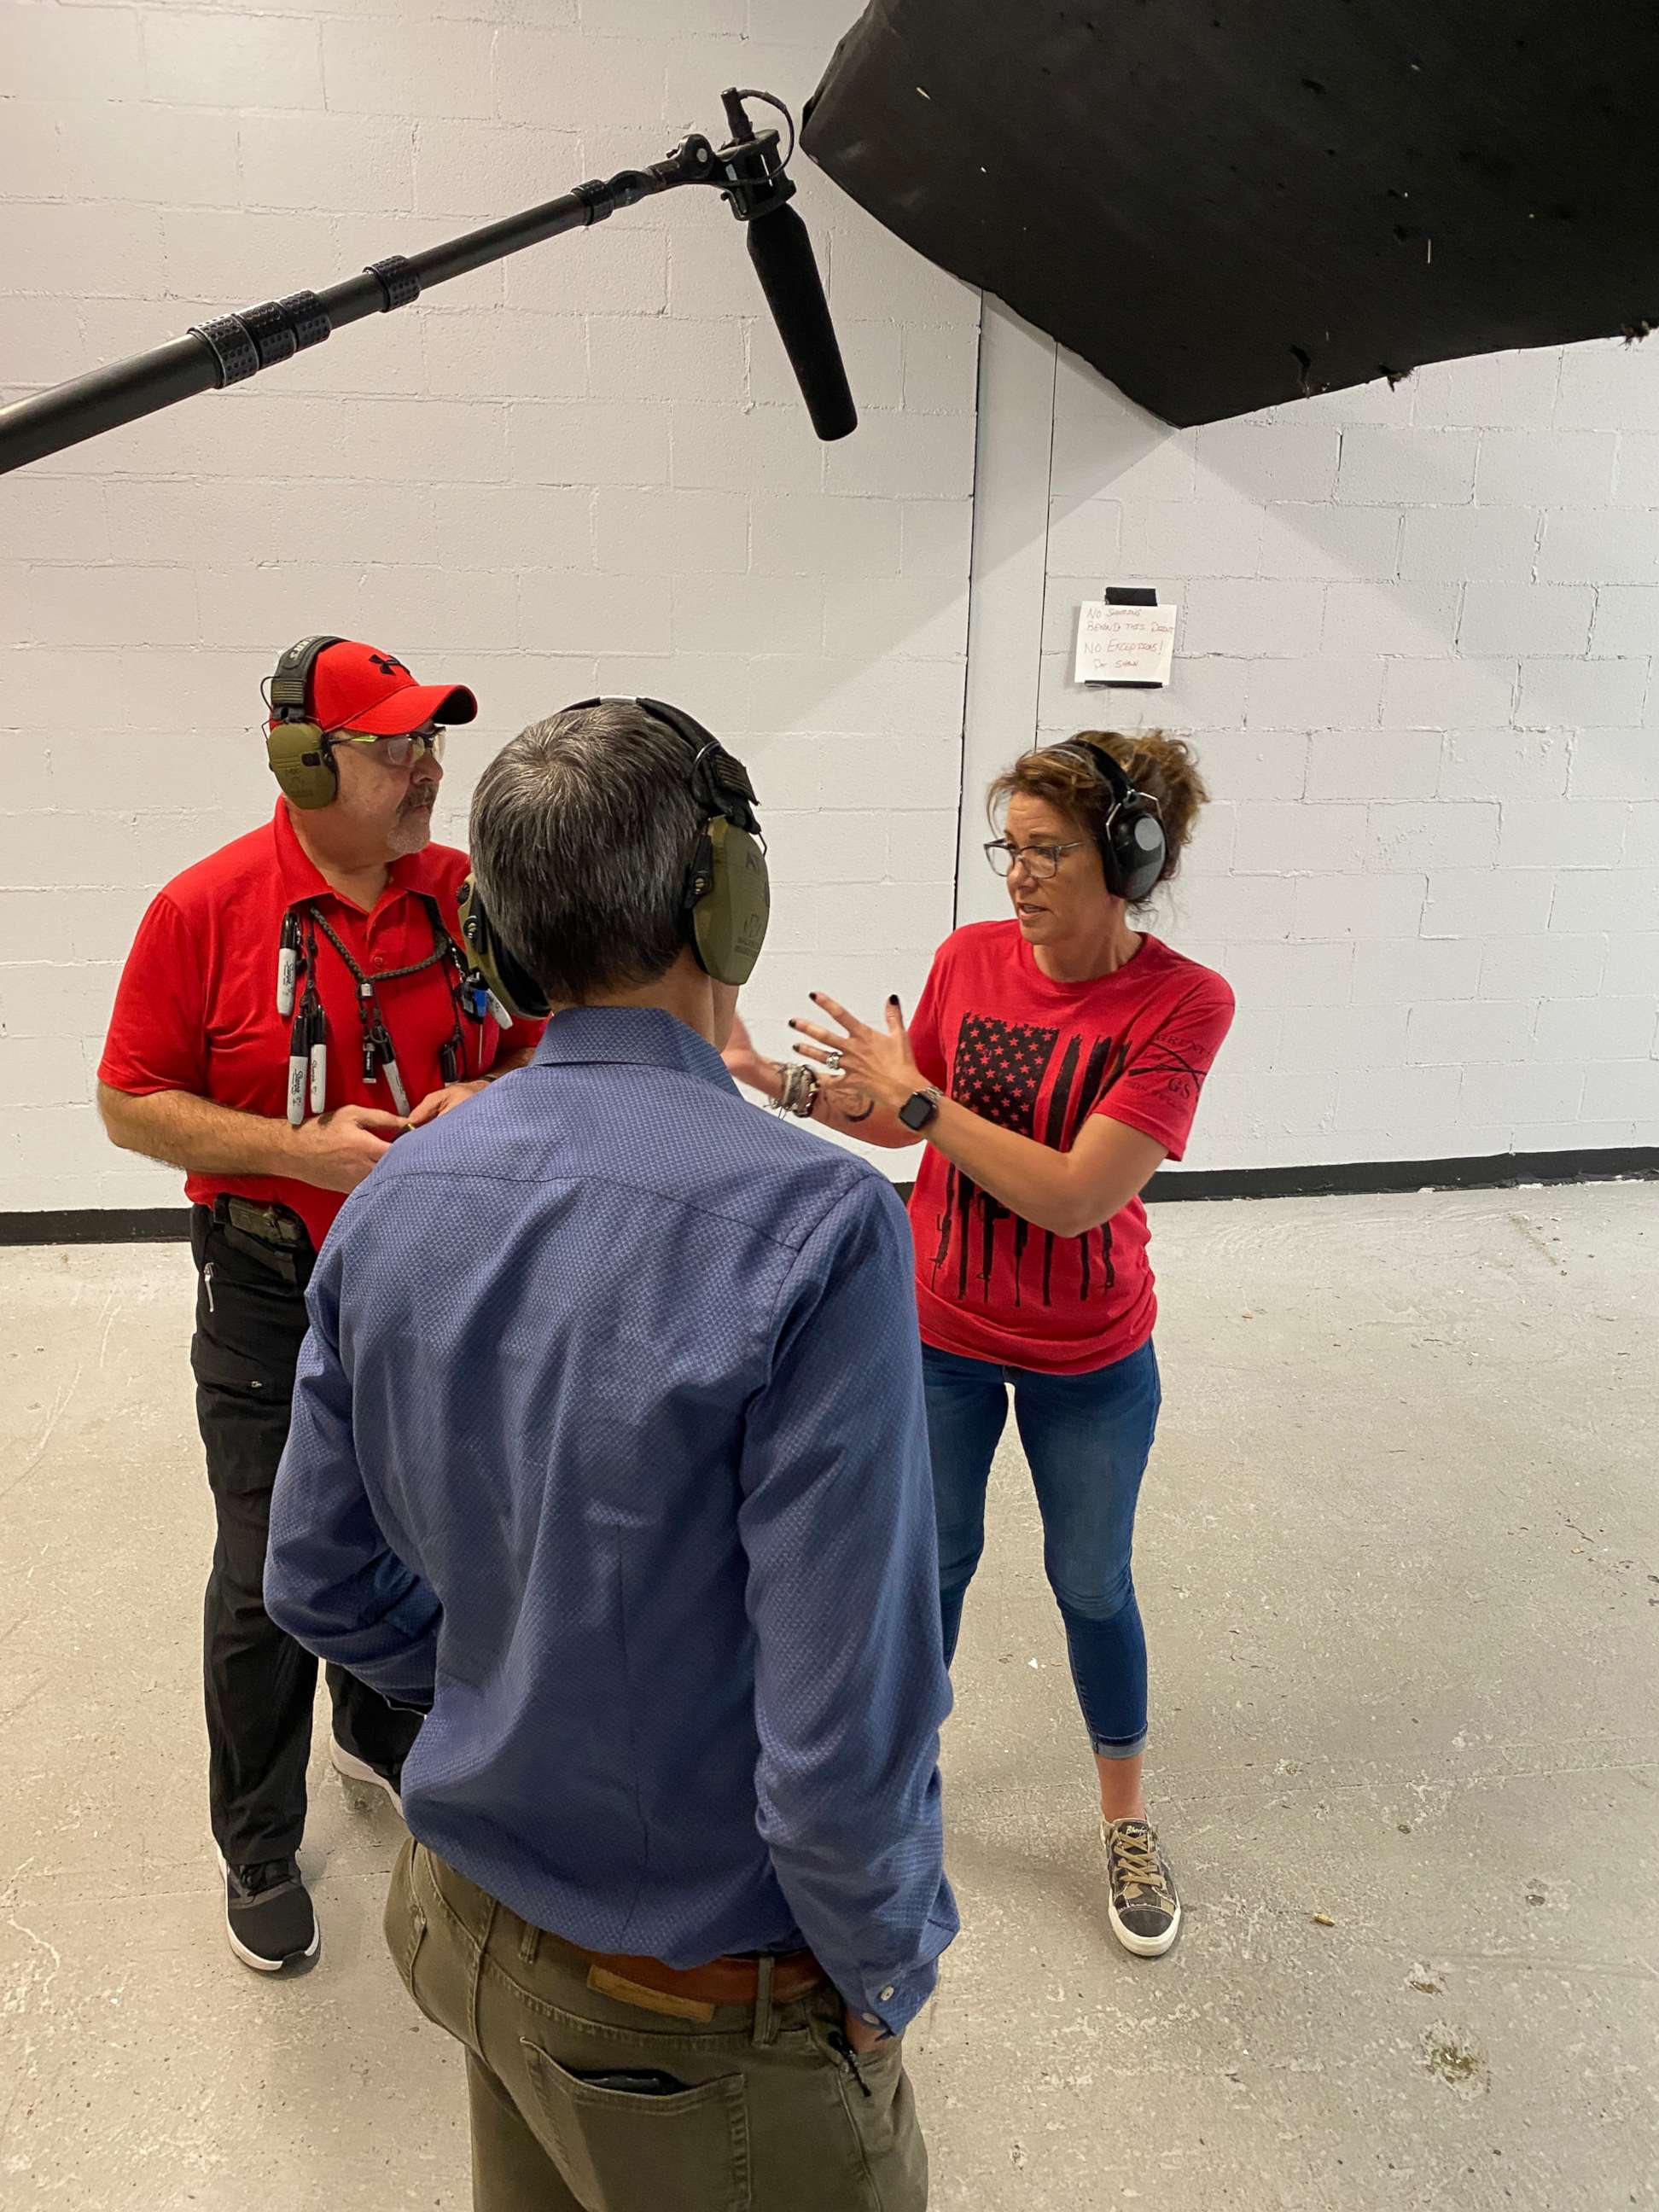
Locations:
1123 645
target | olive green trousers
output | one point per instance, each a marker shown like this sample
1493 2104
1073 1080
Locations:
749 2109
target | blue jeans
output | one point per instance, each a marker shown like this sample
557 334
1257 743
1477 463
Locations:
1087 1438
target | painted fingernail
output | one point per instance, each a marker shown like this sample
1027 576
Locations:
892 998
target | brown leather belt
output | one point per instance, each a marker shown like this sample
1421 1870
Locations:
729 1981
690 1992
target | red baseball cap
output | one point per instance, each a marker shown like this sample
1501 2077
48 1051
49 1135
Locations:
354 687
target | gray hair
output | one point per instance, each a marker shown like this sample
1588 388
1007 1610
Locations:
582 831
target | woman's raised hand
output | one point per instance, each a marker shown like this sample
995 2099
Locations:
878 1061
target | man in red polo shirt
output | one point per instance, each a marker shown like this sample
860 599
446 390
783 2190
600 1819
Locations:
292 1005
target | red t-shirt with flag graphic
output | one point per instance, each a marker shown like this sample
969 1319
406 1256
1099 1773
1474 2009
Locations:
1039 1057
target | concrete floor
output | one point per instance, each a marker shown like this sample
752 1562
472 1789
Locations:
1399 1564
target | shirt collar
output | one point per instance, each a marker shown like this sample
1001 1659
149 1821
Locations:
302 880
630 1036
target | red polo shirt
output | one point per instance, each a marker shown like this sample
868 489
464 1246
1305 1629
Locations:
197 1006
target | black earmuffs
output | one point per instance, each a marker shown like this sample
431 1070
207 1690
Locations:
1133 846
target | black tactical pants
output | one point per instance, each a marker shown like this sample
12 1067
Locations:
260 1684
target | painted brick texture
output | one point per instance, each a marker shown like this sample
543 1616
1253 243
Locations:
583 469
1417 653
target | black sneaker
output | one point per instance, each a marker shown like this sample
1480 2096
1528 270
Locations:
1144 1909
350 1768
268 1915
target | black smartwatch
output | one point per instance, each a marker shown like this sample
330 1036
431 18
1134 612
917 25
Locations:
920 1108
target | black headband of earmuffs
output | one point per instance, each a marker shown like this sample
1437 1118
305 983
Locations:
725 902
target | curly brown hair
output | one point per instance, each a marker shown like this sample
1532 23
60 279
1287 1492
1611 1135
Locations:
1164 767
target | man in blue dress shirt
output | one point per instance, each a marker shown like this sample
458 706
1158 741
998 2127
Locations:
608 1453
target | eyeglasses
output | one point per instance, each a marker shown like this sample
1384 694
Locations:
1040 862
395 752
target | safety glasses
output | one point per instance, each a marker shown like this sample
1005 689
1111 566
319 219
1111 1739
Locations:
395 752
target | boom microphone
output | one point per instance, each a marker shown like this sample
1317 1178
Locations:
783 255
749 172
755 183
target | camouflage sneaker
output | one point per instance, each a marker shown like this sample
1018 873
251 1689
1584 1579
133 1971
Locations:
1144 1909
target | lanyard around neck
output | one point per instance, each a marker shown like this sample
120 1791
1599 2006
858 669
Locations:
380 1055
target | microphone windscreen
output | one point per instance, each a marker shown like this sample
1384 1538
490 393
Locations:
783 255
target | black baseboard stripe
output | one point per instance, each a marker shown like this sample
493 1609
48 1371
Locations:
99 1224
1491 1171
170 1225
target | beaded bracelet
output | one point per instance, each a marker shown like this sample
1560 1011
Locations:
800 1089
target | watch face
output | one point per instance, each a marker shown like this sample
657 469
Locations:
918 1110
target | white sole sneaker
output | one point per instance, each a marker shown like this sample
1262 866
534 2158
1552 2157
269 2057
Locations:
252 1959
1139 1946
1144 1946
350 1768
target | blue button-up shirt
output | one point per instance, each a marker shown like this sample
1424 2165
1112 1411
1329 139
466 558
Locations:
608 1446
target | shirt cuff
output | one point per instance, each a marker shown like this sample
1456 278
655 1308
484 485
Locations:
893 2005
397 1653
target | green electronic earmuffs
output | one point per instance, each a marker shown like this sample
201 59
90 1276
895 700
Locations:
726 902
298 758
518 992
728 899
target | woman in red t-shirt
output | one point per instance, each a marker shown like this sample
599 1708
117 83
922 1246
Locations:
1054 1059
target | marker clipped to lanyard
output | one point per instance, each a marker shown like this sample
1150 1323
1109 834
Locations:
393 1074
318 1037
298 1047
395 1085
288 964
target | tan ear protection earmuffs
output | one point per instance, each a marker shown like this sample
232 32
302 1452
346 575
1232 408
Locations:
295 746
727 900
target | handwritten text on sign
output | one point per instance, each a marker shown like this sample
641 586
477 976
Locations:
1123 645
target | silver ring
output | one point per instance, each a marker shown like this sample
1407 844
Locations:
832 1061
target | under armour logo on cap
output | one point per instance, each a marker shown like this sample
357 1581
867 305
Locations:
359 687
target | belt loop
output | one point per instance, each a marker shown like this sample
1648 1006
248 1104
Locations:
529 1942
763 1966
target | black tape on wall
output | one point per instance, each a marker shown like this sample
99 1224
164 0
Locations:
1223 206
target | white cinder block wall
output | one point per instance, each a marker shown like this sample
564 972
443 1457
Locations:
1417 653
582 470
1418 628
